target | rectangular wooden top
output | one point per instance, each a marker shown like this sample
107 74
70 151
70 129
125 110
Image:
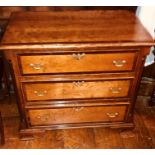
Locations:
109 26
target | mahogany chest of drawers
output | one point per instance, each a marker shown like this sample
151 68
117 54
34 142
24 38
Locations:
76 68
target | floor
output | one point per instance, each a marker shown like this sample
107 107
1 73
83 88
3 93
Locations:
142 137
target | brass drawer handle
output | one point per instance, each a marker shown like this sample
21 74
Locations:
36 66
112 115
40 93
77 109
119 63
78 56
115 90
78 83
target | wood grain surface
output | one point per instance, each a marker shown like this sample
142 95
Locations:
77 89
75 26
78 62
113 39
142 137
77 115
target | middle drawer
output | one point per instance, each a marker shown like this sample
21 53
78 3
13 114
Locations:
76 90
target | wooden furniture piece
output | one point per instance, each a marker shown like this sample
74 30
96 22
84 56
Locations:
1 71
1 131
1 63
5 13
147 87
4 79
152 101
5 82
76 68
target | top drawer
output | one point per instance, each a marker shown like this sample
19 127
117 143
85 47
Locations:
77 62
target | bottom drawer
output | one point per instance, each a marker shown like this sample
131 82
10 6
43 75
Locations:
76 115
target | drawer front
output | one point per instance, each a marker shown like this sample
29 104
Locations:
77 115
77 62
76 90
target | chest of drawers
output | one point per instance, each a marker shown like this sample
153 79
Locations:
75 69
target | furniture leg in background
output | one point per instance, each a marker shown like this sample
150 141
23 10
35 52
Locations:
147 87
1 72
152 101
6 86
2 140
5 81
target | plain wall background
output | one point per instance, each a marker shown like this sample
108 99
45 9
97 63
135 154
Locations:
146 14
